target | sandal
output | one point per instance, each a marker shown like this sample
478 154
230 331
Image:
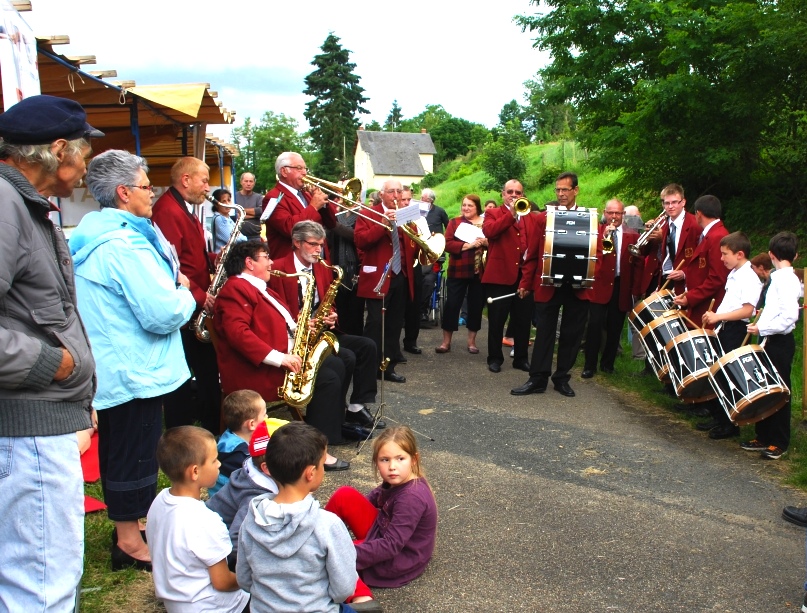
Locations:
472 349
442 349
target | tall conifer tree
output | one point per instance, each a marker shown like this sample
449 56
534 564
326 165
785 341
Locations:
332 114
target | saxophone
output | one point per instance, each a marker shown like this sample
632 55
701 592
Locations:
311 341
199 325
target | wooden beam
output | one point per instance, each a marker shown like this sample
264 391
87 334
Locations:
124 84
55 39
21 6
103 74
81 59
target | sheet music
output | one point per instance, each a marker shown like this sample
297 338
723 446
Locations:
468 232
408 213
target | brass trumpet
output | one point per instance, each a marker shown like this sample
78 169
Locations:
522 206
658 223
351 190
608 242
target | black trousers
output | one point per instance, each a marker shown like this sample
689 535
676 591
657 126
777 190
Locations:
456 290
361 363
182 406
775 430
571 334
351 310
127 447
326 410
395 303
413 311
520 312
604 318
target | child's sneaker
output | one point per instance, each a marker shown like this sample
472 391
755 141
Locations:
773 453
804 605
753 445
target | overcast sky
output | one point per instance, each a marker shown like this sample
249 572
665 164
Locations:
472 59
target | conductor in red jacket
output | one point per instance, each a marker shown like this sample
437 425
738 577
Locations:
288 202
177 214
616 282
705 274
256 330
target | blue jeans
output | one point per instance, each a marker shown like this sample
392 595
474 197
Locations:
41 523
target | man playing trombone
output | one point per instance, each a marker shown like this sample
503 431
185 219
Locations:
288 202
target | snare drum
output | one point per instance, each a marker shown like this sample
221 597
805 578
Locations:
655 337
655 305
570 247
748 385
690 356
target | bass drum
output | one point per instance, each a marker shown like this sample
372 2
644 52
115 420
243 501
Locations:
655 305
655 337
690 356
748 385
570 247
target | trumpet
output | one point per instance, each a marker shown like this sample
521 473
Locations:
657 224
522 206
608 242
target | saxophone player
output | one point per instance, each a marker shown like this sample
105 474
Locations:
256 330
357 353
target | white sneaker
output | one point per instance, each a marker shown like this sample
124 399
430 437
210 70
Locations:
512 353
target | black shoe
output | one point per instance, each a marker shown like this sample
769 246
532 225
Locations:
522 365
564 389
699 411
391 375
795 515
338 465
724 431
369 606
532 386
644 373
413 349
401 359
355 432
121 560
115 537
364 418
707 425
495 367
608 370
587 373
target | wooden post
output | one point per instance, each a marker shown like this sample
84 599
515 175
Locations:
803 373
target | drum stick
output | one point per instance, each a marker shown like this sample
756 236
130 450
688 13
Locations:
747 336
668 276
492 300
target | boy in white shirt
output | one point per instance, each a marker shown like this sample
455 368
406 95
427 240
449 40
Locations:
189 543
775 327
742 294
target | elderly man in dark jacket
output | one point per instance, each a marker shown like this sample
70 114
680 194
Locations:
46 367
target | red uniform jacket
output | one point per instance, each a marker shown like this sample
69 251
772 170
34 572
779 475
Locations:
706 274
533 265
286 287
374 243
248 328
630 271
687 242
505 253
287 213
186 234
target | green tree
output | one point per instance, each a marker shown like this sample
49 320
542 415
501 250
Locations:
394 119
337 98
373 126
708 93
259 145
430 117
502 158
544 119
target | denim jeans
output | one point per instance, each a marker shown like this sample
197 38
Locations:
41 523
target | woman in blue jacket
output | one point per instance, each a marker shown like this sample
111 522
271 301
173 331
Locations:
133 301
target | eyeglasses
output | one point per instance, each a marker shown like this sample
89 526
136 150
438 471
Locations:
261 255
670 202
300 168
145 188
513 192
563 190
393 191
313 244
617 213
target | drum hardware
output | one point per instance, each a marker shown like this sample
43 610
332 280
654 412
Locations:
690 356
570 247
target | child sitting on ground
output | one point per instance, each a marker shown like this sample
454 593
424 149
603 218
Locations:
775 327
293 556
189 543
247 482
242 411
396 523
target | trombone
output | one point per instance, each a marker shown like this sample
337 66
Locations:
431 246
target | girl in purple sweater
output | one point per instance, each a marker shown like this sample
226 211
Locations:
396 523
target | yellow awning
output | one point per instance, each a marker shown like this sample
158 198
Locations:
185 97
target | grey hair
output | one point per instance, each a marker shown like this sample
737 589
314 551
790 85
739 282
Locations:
428 194
41 155
110 169
304 230
284 159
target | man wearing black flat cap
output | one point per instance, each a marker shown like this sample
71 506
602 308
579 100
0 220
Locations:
47 378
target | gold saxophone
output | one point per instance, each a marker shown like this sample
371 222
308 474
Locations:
311 341
199 325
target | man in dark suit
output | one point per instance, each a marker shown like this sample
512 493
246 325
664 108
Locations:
507 234
705 273
288 202
548 302
382 243
616 282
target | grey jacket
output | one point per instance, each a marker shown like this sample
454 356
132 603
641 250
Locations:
38 316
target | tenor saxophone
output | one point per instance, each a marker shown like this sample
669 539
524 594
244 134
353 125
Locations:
199 325
311 341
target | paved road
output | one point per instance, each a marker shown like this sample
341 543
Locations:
591 503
